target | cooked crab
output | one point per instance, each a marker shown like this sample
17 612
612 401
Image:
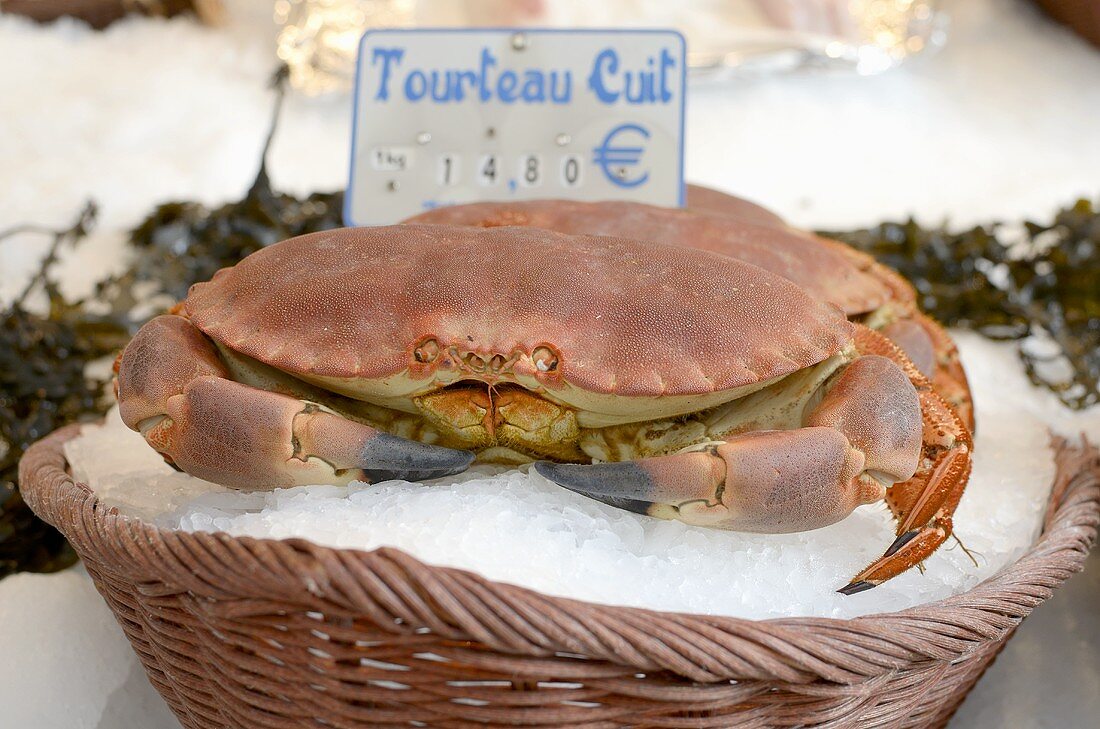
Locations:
831 271
681 384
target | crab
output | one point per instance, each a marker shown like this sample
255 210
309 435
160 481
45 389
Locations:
677 383
829 270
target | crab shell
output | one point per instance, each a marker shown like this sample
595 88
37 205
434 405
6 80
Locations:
826 269
820 270
649 331
887 283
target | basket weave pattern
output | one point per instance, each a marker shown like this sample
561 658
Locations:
248 633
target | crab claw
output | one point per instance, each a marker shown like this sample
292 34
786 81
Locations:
284 442
766 481
174 388
390 457
626 485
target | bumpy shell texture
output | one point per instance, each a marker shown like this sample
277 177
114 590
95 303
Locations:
814 265
627 317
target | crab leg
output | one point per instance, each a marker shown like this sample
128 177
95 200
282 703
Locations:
175 389
913 339
924 503
920 337
936 356
949 379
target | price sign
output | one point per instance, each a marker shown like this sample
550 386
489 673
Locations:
447 116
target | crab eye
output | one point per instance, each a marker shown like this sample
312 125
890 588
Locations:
545 359
427 351
477 364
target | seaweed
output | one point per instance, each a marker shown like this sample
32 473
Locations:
1038 284
44 385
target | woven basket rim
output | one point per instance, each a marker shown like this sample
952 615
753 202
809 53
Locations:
393 588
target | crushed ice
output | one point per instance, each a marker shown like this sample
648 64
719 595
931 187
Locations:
515 527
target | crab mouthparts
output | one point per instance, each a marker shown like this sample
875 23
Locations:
479 415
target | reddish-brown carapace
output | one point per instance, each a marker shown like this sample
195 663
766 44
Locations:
864 289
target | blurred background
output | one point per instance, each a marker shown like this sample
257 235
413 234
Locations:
988 113
839 114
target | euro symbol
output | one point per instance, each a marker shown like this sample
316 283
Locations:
617 161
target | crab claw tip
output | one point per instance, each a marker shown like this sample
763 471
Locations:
901 541
391 457
623 485
854 587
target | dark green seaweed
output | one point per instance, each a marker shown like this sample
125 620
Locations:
1035 283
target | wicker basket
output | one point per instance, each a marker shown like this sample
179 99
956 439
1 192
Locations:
260 633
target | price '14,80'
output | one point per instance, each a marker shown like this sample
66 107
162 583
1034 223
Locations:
529 170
